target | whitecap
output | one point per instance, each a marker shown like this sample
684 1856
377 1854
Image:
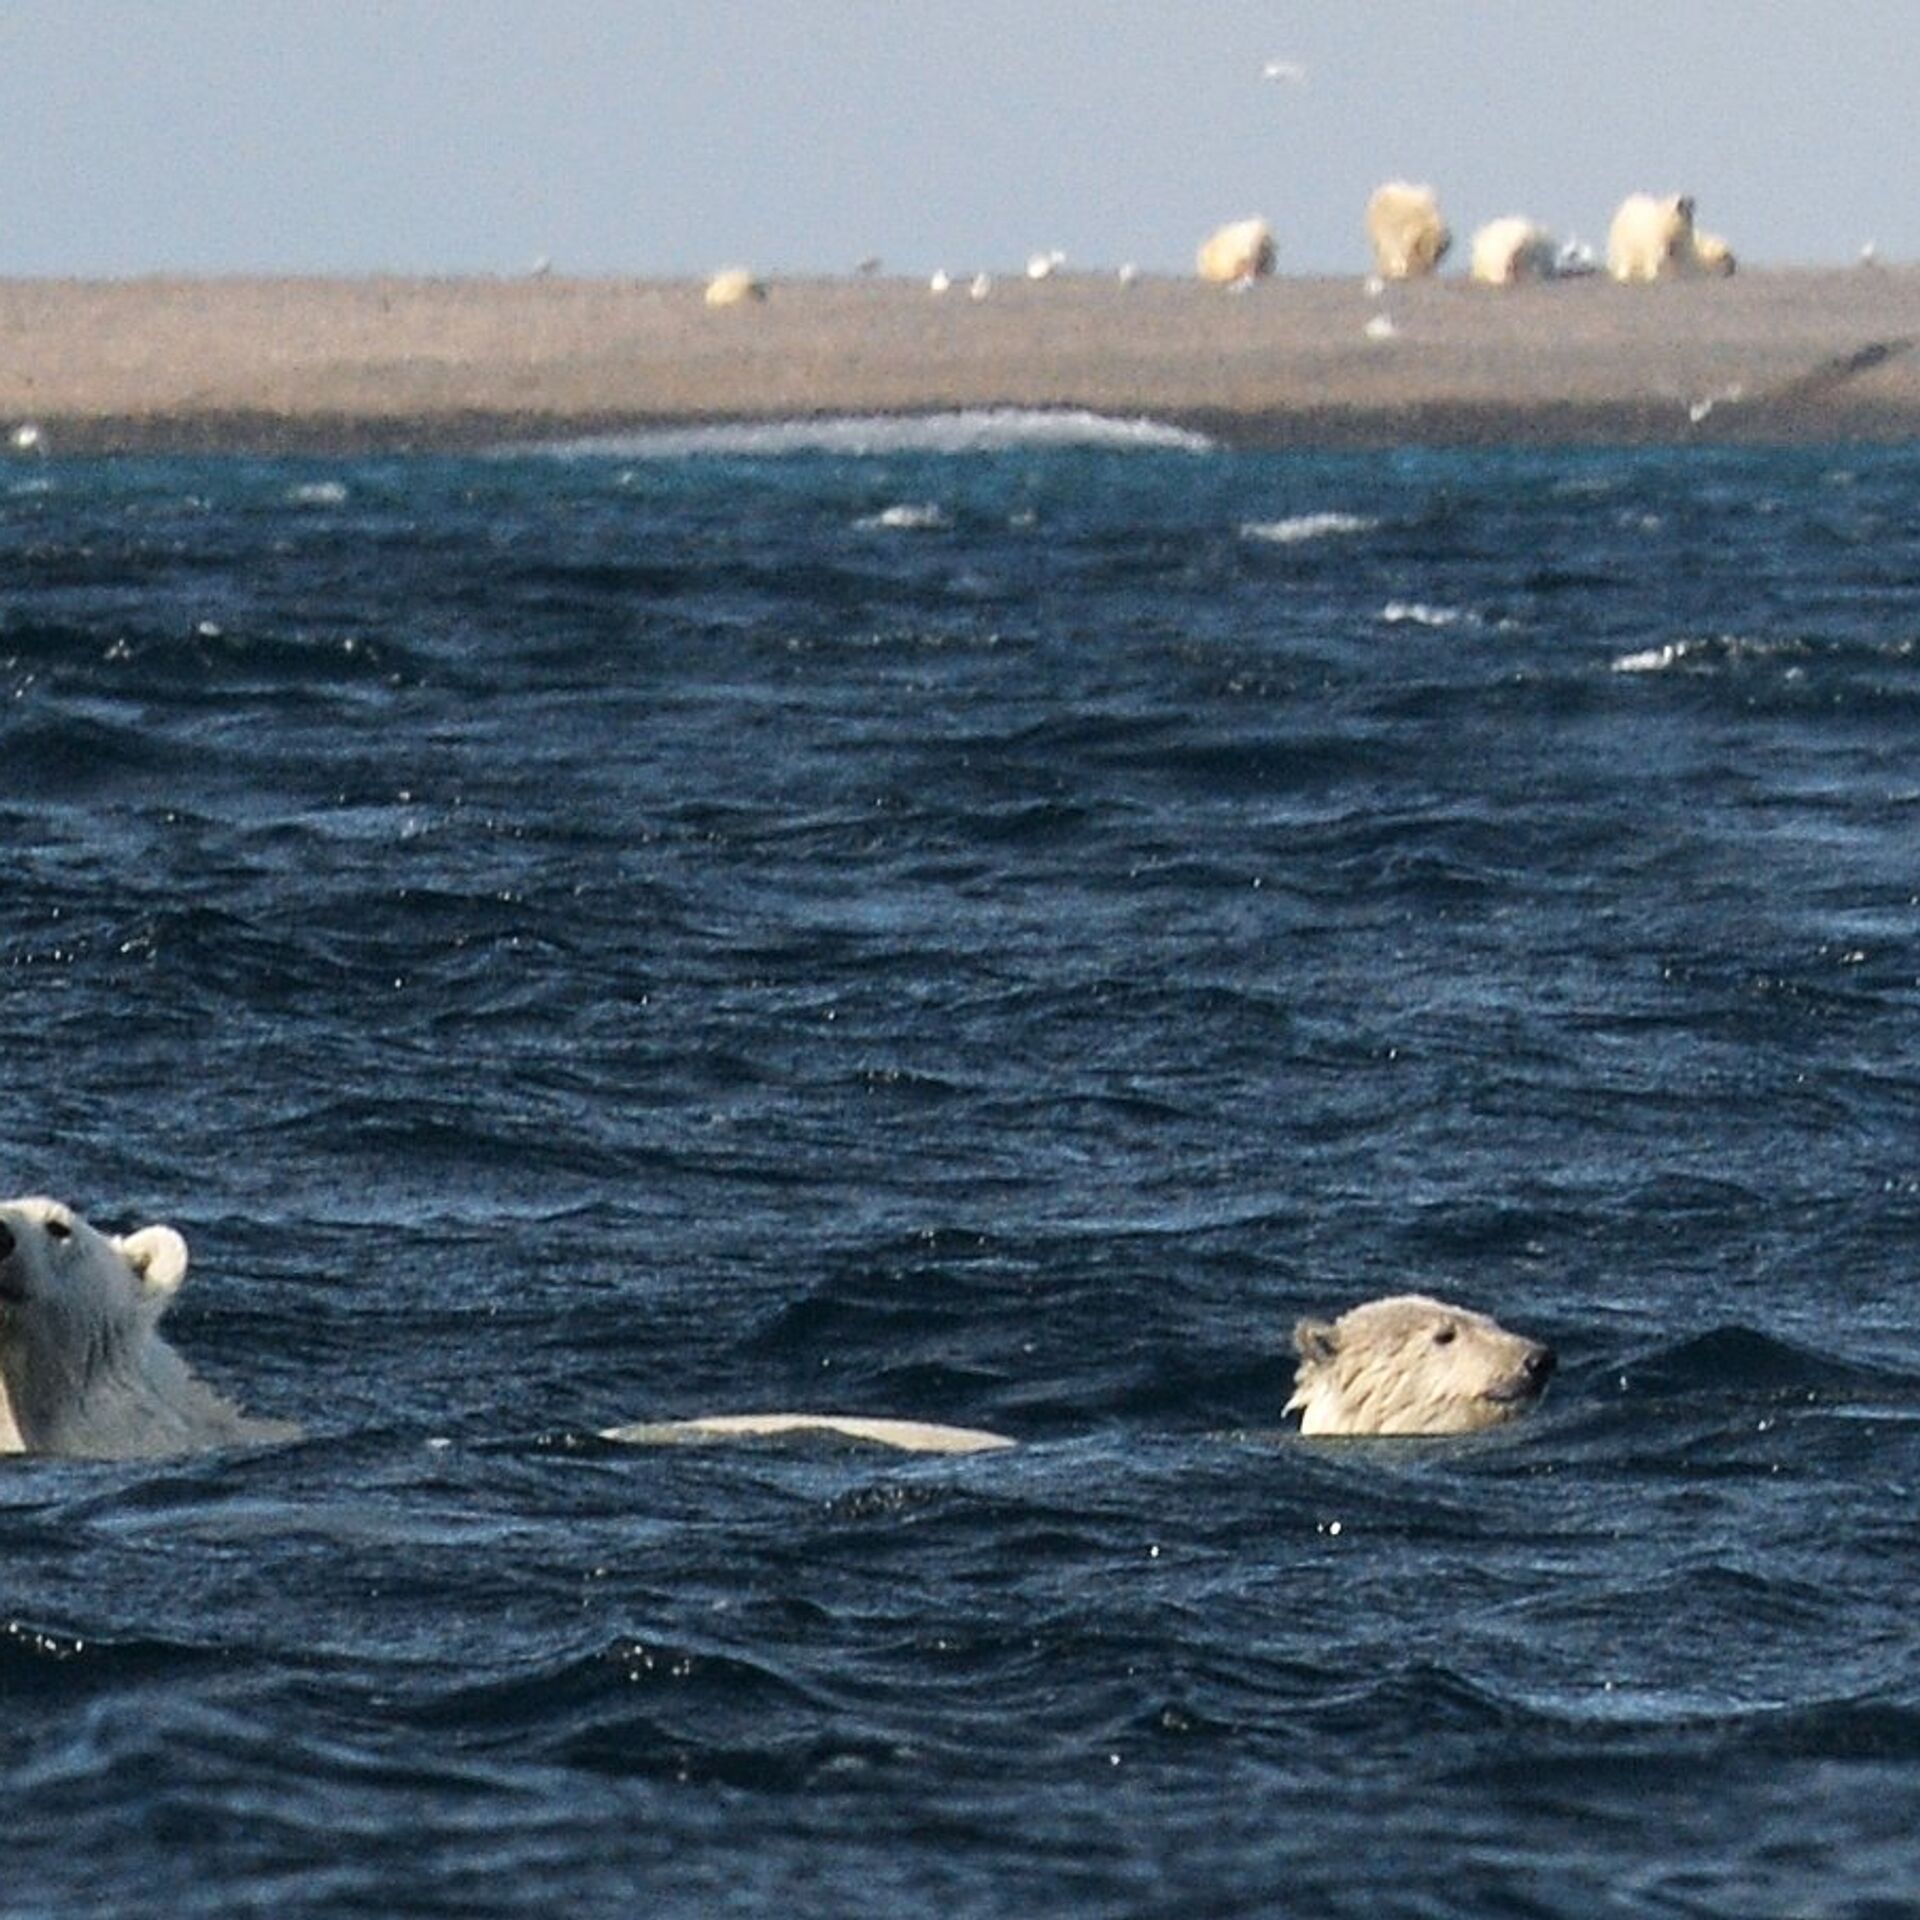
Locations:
1420 613
318 493
1714 650
971 430
1300 527
1654 659
914 516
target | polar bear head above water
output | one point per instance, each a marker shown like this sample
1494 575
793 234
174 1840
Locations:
1409 1365
83 1368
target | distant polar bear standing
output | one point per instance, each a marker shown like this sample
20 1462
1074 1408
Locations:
1650 237
1654 239
1237 253
83 1369
1404 227
1410 1365
1513 249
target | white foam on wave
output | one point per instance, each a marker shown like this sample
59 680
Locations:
1422 613
1701 652
911 516
318 493
1654 659
1298 528
974 430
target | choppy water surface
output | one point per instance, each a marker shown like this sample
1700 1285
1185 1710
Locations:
992 930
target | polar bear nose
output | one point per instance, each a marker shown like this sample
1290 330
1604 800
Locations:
1540 1364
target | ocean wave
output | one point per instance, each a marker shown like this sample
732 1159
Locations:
1741 1361
1298 528
969 430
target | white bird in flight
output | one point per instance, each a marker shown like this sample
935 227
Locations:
1290 71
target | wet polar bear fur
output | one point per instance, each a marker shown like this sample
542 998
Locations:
84 1371
908 1436
1409 1364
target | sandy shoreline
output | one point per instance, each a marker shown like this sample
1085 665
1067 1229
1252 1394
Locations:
394 364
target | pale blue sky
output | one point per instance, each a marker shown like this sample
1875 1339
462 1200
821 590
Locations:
672 136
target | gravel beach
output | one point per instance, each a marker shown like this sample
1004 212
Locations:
393 364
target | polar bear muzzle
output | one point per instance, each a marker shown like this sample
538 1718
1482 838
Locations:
13 1282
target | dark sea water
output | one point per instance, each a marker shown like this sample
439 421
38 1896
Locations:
992 933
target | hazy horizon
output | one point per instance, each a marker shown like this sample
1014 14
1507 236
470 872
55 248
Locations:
660 137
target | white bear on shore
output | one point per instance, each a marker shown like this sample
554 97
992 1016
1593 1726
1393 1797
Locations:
1654 239
1235 254
1404 228
1649 237
1410 1365
1711 254
734 287
1513 249
83 1369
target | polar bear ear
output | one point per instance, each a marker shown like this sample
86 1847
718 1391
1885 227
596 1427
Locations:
158 1257
1315 1340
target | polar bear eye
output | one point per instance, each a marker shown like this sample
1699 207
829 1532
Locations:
1443 1336
59 1230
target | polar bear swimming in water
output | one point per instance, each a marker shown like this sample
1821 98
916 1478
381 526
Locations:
1404 1365
1409 1364
84 1371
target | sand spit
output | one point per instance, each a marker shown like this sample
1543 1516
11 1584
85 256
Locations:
394 364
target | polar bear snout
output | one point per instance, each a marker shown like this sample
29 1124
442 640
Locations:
1530 1379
